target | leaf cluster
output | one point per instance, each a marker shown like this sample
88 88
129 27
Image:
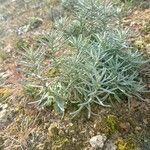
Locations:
102 67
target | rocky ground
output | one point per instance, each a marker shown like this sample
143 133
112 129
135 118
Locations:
25 127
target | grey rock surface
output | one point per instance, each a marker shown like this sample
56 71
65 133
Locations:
110 146
98 141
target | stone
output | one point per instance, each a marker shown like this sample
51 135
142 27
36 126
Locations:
98 141
110 146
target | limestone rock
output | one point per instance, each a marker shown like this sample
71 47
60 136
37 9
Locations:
98 141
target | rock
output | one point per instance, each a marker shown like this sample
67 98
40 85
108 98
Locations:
110 146
98 141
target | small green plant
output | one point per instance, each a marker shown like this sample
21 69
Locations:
102 67
101 73
90 16
53 41
32 60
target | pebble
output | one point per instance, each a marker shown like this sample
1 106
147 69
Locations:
98 141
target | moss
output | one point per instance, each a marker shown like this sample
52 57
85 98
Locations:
146 28
5 92
60 143
107 125
53 130
121 144
125 144
111 122
20 109
139 43
52 72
